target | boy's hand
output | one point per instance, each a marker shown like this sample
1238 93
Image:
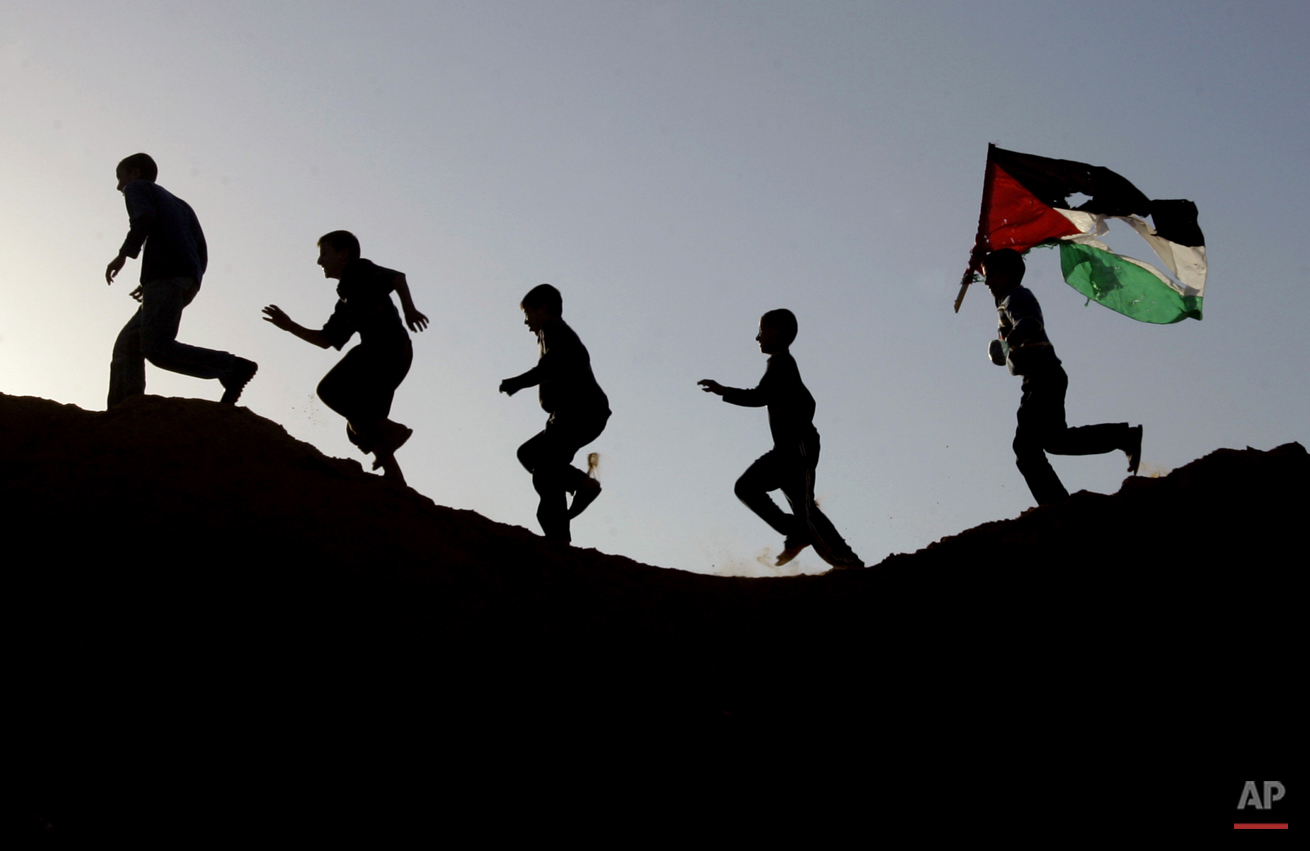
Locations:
710 386
138 293
274 314
415 320
509 387
115 266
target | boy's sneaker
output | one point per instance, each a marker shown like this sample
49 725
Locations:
394 436
585 496
242 372
789 553
1134 449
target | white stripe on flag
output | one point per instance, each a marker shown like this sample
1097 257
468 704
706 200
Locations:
1187 263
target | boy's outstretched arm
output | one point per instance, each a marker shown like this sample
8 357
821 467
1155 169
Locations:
415 320
274 314
752 397
531 378
709 385
548 366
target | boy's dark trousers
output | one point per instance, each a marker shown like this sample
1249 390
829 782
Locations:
792 472
1042 429
549 458
151 334
362 386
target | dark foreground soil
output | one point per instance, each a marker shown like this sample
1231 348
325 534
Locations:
212 623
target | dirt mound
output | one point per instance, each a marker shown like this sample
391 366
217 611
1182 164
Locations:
194 589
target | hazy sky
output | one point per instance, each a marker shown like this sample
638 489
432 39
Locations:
676 169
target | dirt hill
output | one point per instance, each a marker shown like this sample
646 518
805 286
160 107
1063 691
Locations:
194 591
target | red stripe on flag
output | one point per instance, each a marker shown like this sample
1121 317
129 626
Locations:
1260 826
1016 219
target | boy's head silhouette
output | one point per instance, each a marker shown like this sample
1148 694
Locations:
136 167
1004 270
542 303
777 331
335 251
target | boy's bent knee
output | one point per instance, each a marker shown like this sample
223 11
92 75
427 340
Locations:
527 457
1026 444
153 350
327 391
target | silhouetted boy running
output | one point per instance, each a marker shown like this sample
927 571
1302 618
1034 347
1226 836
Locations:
791 464
361 387
174 262
1022 345
578 411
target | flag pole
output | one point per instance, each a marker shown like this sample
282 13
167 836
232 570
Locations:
979 246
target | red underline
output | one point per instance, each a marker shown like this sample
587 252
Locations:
1260 827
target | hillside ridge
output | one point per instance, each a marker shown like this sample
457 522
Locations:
197 588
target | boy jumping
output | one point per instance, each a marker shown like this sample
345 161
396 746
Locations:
578 411
362 386
790 465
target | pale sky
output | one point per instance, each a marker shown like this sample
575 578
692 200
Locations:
675 169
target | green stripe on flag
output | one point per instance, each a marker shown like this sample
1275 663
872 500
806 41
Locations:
1124 286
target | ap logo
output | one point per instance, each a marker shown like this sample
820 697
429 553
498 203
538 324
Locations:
1273 791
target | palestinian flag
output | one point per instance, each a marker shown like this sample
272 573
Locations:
1025 203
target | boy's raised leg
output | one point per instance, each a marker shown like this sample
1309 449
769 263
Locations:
768 474
584 496
233 384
